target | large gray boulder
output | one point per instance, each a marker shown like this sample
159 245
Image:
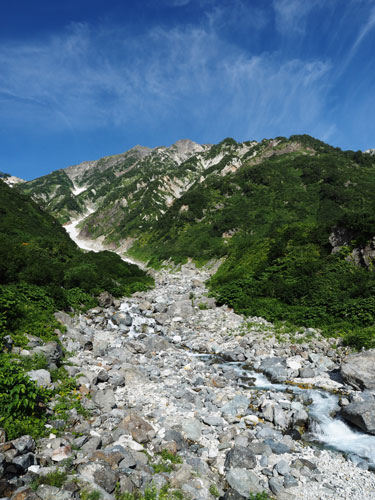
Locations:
100 473
275 369
243 482
358 370
105 399
240 457
182 308
52 351
361 413
41 377
122 318
192 429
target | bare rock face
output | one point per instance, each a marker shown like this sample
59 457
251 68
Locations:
358 370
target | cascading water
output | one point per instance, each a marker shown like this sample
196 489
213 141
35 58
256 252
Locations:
325 429
334 433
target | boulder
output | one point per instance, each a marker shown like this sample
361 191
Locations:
192 429
361 414
275 369
181 308
358 370
100 473
282 468
52 351
240 457
122 318
41 377
243 482
105 399
23 462
24 444
306 372
280 418
140 430
322 362
276 485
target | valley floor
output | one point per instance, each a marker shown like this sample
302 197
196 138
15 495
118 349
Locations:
154 387
168 370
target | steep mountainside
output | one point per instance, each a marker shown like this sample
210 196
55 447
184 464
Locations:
42 268
103 185
292 217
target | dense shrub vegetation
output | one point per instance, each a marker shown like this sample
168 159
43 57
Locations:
22 403
41 271
273 219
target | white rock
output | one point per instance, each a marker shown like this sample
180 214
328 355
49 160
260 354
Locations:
251 419
128 442
293 363
34 468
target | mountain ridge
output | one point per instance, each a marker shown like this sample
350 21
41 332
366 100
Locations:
278 214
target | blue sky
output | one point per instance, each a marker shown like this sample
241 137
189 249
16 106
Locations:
82 79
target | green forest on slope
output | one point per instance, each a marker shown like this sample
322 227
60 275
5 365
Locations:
42 271
273 220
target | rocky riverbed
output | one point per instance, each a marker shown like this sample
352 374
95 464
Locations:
176 393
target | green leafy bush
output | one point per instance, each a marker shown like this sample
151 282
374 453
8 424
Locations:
22 402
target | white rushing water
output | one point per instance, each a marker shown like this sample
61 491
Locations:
324 428
334 432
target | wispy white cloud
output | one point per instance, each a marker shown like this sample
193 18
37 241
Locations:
290 15
237 15
85 79
365 29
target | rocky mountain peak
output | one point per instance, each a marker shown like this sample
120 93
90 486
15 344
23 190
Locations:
140 150
183 149
186 146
